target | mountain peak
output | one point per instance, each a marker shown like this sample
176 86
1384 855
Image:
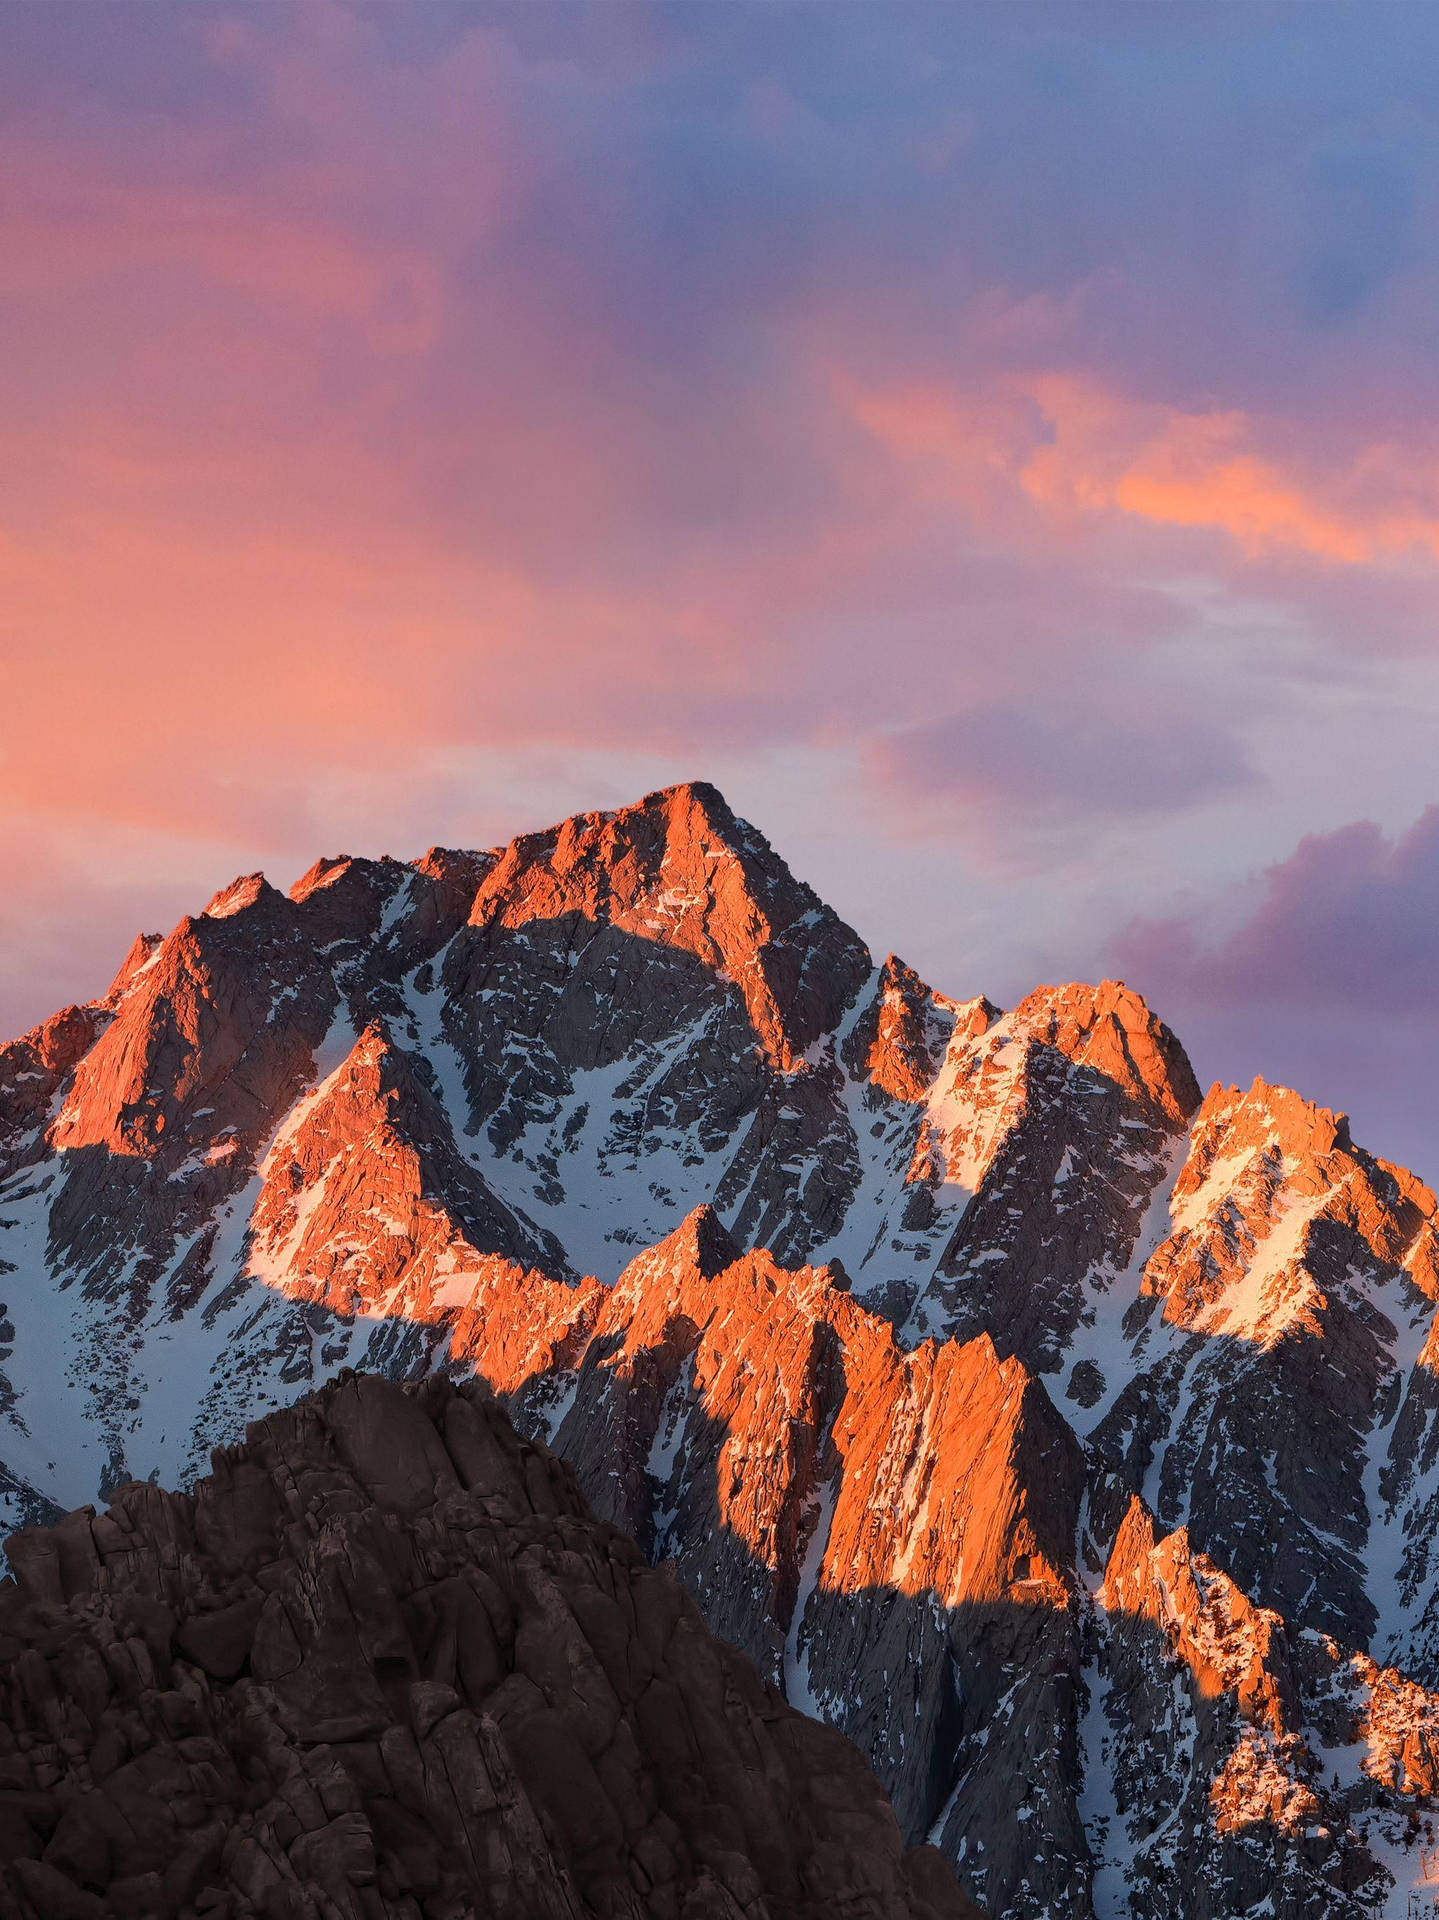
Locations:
681 870
1265 1111
322 874
702 1243
141 953
700 796
241 893
366 1200
699 1248
456 866
1112 1029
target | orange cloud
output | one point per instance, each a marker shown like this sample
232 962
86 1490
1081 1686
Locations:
1079 451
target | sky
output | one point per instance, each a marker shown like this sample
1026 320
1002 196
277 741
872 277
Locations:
996 445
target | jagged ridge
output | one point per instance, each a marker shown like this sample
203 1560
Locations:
404 1117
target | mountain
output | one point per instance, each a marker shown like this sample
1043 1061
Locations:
1063 1436
383 1661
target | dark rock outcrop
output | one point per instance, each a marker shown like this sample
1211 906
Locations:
383 1662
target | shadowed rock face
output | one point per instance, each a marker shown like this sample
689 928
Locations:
383 1662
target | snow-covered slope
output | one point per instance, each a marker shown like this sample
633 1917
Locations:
977 1369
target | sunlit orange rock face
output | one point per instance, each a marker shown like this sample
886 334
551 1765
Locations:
1275 1333
1070 1443
32 1071
844 1508
670 872
905 1030
365 1202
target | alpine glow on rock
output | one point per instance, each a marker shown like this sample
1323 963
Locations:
1063 1437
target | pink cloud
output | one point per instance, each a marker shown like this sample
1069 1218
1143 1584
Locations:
1079 452
1318 974
1345 923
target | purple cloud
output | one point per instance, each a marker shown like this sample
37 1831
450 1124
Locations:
1349 920
1324 978
1061 768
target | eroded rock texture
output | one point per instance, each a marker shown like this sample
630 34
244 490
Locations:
383 1662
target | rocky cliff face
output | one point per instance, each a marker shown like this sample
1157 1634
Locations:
383 1661
991 1389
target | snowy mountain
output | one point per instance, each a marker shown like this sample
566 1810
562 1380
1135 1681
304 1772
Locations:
1067 1440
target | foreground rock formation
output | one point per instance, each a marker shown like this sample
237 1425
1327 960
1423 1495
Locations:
1066 1438
383 1662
